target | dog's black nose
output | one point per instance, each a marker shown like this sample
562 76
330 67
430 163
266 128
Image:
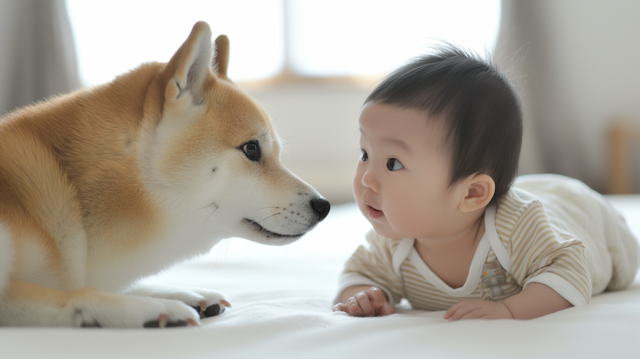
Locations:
321 206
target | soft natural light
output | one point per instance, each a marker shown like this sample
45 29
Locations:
324 37
358 37
114 36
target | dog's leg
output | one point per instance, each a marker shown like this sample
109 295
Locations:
29 304
206 302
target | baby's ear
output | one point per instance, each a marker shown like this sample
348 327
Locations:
478 192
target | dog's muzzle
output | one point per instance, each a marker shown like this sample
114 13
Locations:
270 234
320 208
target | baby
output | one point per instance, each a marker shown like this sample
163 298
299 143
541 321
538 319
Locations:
452 227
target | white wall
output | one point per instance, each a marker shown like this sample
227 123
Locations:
318 120
579 71
596 48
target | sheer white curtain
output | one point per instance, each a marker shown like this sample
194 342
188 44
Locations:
576 65
38 57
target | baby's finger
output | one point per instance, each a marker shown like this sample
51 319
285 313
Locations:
462 311
377 297
387 309
474 314
340 307
353 308
453 309
365 304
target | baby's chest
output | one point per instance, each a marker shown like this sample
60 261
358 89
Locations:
492 284
452 274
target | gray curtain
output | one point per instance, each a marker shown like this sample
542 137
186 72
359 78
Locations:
38 57
576 65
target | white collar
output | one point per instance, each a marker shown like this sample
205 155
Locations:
489 240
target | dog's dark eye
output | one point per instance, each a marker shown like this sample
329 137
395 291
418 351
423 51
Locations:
251 149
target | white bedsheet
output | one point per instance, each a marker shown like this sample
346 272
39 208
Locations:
281 299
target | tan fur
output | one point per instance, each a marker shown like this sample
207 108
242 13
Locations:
105 185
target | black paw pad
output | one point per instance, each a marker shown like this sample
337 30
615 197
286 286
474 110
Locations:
152 324
213 310
156 324
90 325
177 323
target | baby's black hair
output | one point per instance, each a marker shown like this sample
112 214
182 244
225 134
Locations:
477 105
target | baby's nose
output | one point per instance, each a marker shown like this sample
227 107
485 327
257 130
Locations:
368 180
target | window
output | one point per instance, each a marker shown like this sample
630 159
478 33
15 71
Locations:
114 36
360 37
312 38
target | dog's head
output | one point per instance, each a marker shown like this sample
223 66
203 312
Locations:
212 154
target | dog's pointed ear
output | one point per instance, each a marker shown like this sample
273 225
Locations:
189 68
221 60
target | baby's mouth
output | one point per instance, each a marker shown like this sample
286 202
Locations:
375 213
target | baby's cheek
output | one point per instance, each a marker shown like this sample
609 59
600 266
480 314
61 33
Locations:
403 219
413 217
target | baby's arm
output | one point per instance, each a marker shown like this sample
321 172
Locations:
369 284
550 263
364 301
534 301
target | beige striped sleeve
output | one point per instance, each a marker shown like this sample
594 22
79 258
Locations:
540 252
371 264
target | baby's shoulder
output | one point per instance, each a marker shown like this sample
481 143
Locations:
516 203
518 212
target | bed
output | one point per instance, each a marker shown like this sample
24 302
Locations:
281 299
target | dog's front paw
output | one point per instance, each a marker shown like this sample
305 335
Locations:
101 309
177 316
206 302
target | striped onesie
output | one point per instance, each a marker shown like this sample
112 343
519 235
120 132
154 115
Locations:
547 229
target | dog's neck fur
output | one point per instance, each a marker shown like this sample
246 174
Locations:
93 169
118 139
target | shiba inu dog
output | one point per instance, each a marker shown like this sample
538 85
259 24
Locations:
104 186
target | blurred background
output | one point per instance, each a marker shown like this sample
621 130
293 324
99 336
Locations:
311 64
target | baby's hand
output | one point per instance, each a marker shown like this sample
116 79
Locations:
366 303
478 309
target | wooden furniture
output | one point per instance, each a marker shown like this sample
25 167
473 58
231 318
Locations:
621 138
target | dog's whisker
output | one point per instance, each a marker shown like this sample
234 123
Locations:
209 205
276 118
222 251
263 208
264 219
265 132
206 220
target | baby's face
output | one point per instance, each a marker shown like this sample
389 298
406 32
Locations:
402 179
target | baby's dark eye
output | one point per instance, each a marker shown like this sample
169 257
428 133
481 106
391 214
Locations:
251 149
394 165
364 156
